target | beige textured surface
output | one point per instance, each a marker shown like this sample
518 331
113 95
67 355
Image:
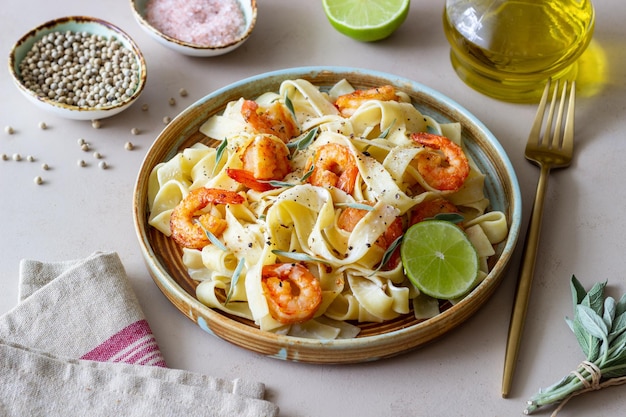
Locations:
78 210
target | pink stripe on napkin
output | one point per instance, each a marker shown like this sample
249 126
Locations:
134 344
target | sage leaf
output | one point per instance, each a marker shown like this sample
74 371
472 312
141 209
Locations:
616 371
618 328
214 240
358 206
278 184
594 325
455 218
298 256
578 291
433 130
219 153
308 173
609 312
595 297
620 308
384 134
589 344
305 141
289 106
592 321
235 279
619 336
390 250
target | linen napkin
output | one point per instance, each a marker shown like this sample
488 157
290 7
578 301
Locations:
79 343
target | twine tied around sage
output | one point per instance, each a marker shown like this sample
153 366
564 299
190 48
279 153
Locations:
599 325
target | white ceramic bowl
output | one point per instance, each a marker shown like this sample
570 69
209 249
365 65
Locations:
90 25
376 340
248 7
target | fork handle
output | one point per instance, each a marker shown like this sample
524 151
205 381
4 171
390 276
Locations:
522 293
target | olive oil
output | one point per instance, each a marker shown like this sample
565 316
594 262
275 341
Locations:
509 48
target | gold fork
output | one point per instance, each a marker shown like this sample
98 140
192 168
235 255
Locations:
553 149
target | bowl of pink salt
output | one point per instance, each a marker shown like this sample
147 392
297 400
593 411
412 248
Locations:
197 27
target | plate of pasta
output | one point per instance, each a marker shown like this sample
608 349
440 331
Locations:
271 212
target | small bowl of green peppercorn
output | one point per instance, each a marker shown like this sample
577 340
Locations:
78 67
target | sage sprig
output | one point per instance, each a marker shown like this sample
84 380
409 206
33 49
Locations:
290 107
384 134
599 325
358 206
388 253
211 236
303 142
455 218
298 256
235 279
219 153
279 184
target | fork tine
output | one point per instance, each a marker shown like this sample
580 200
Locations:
535 131
568 133
555 141
551 137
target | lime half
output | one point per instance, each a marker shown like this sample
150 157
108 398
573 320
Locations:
439 259
366 20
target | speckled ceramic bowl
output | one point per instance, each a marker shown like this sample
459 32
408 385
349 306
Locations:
376 340
248 7
90 25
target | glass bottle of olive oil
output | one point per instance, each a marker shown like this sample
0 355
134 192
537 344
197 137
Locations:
508 49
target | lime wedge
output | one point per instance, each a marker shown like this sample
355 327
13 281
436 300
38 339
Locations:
439 259
366 20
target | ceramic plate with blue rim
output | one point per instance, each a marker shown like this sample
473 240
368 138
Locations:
376 340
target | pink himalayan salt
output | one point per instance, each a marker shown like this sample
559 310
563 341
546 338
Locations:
200 22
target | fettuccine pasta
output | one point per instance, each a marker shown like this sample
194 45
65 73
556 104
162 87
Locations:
324 180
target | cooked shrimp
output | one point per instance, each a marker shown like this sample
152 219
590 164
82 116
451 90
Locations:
348 103
292 292
334 165
276 119
265 158
430 208
444 166
185 231
350 216
247 179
